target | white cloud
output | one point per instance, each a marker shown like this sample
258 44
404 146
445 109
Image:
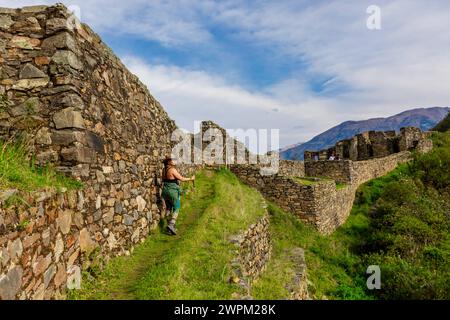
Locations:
192 95
367 73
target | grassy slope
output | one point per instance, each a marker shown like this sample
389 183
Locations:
195 263
18 172
399 221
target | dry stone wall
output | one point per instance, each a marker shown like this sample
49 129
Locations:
42 243
321 203
85 113
290 168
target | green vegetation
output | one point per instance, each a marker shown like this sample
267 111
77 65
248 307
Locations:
307 181
195 264
400 222
444 125
340 185
18 171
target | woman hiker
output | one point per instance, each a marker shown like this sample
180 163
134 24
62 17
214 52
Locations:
171 192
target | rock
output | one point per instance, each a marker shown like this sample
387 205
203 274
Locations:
58 24
68 118
64 221
112 242
15 249
29 25
4 257
48 275
86 243
107 170
95 142
28 241
11 283
59 247
98 202
141 203
128 220
78 219
43 136
65 57
67 137
42 61
73 257
60 41
49 156
29 71
28 84
60 276
109 216
29 107
39 293
73 277
72 100
135 236
78 154
24 42
118 207
33 9
41 264
5 22
6 194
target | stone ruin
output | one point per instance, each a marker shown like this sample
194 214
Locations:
374 144
83 112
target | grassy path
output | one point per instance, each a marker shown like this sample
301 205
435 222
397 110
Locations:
195 263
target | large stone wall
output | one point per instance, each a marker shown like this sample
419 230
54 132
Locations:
85 113
42 243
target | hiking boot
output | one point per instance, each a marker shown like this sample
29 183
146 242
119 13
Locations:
172 230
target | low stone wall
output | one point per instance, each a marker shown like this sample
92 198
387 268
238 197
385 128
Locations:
290 168
337 170
362 171
320 204
298 288
285 192
255 248
253 252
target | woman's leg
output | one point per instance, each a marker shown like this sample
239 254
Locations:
176 210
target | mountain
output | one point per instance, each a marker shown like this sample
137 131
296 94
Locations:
444 125
423 118
291 146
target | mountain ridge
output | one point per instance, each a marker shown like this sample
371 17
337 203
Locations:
423 118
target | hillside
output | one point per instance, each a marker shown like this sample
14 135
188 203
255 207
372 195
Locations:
399 222
444 125
195 264
423 118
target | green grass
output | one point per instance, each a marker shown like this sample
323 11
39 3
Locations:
306 180
330 260
195 264
17 171
399 221
340 185
335 264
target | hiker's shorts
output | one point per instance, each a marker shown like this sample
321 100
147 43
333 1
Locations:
171 195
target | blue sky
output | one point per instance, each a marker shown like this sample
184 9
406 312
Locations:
299 66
